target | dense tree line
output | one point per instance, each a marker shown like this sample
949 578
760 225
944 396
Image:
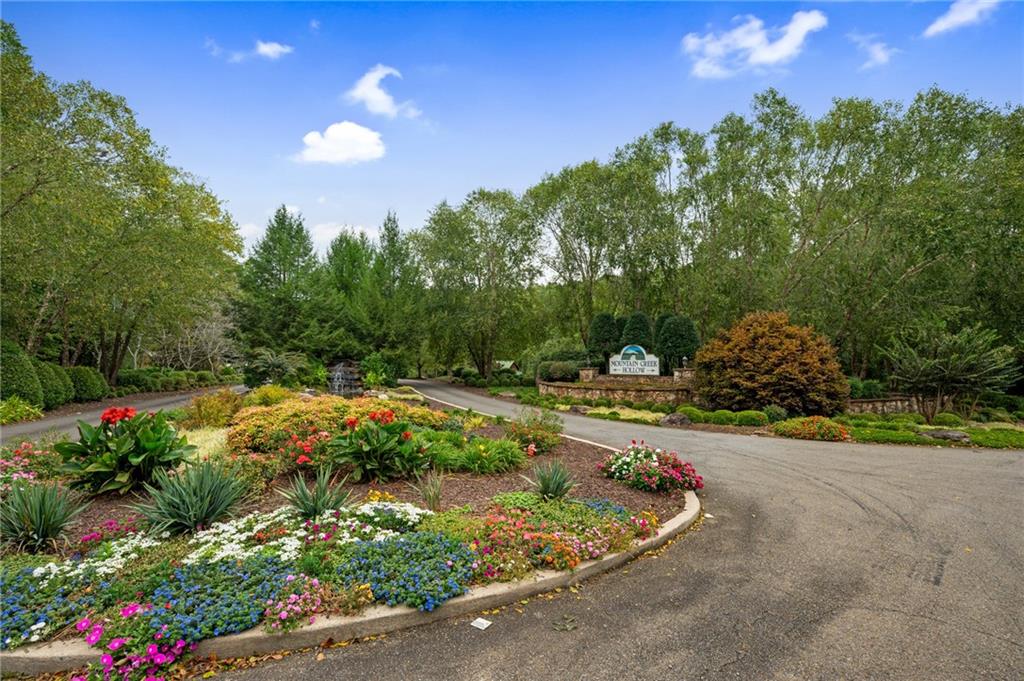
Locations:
107 248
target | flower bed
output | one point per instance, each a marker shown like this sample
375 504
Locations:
143 598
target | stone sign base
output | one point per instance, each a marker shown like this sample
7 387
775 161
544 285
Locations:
620 388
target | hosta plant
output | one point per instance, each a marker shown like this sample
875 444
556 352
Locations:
379 448
34 516
124 451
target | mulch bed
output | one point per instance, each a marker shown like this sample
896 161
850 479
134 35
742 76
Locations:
460 489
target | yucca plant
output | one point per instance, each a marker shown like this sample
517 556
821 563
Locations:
429 487
191 500
325 495
33 517
552 480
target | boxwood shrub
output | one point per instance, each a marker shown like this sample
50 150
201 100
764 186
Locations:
57 387
18 375
693 413
89 384
947 420
722 417
751 417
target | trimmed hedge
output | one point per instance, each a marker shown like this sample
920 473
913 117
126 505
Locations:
89 384
751 417
693 413
18 376
56 384
947 420
722 417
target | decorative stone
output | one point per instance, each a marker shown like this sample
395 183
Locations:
507 394
579 409
951 435
588 374
675 420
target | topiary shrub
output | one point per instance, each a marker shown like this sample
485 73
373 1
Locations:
89 384
722 417
947 420
764 359
67 388
52 387
693 413
775 413
637 331
751 417
18 375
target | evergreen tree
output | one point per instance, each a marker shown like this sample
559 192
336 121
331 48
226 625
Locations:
637 331
604 336
676 340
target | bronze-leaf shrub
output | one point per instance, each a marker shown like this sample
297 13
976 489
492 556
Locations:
764 359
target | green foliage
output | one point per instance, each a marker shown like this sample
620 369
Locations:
33 517
695 414
722 417
119 456
326 495
267 396
751 418
604 335
637 331
15 409
380 450
191 499
430 487
763 359
677 339
89 384
883 436
18 375
552 480
1000 438
558 371
53 387
213 410
268 366
775 413
538 427
936 365
947 420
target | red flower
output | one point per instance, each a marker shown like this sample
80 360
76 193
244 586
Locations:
303 459
406 435
352 422
114 414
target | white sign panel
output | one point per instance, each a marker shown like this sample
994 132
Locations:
633 361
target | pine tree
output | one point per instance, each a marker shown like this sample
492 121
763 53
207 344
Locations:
638 331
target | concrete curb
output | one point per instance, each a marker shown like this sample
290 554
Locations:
61 656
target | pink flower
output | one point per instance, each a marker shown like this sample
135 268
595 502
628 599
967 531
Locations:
83 625
151 649
107 661
117 643
283 615
129 610
94 635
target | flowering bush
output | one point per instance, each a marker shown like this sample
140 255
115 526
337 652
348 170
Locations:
379 448
536 429
811 428
123 451
27 462
649 469
305 449
108 529
32 611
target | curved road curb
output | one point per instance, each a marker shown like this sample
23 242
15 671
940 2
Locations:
61 656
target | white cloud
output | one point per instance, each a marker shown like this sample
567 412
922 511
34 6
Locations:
324 233
368 91
344 142
750 45
250 233
877 52
961 13
314 25
272 50
321 200
212 47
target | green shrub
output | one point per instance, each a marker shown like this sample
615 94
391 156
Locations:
867 416
996 414
693 413
901 437
430 488
380 450
856 387
52 387
482 456
34 516
89 384
193 499
206 378
165 384
15 409
125 450
811 428
906 417
947 420
722 417
552 480
537 427
213 410
872 389
1019 415
775 413
558 371
267 396
1001 438
325 495
751 418
18 376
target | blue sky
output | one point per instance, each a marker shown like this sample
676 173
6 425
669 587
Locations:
491 95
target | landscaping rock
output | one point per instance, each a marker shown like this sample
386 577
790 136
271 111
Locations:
506 394
675 420
580 409
952 435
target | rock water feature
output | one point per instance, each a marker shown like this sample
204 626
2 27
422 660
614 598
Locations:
346 380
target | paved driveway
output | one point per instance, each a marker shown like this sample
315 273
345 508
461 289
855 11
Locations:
821 561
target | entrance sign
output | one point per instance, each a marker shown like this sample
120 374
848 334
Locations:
634 361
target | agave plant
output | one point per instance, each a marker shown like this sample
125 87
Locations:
552 480
34 516
325 495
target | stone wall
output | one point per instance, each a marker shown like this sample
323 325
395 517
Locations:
665 391
893 404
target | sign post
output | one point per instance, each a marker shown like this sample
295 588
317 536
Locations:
634 361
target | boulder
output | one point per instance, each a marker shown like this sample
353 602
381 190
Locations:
951 435
579 409
675 420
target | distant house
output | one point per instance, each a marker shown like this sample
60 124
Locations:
506 365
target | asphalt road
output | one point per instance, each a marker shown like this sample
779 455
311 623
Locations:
821 561
68 423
